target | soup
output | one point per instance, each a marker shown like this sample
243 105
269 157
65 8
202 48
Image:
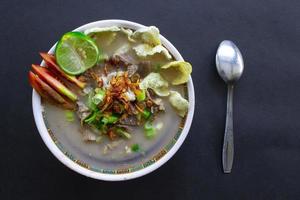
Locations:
131 101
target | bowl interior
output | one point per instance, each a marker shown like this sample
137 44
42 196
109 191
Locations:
90 166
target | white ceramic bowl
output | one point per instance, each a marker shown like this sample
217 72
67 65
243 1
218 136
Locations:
39 120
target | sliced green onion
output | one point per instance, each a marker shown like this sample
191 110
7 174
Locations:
150 131
91 105
111 119
99 96
104 120
99 90
93 117
123 133
90 118
101 126
140 95
148 125
135 148
69 115
146 114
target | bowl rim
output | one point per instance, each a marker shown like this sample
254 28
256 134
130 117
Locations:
42 129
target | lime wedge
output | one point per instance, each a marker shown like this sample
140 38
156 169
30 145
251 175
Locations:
76 52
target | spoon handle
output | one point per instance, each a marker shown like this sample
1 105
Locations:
228 147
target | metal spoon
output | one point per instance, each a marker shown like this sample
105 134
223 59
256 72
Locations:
230 66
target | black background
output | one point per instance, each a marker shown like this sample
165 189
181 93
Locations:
266 101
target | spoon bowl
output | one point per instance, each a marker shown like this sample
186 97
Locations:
229 62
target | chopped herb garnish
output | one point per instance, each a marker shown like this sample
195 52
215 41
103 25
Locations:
91 105
99 96
123 133
146 114
150 131
140 95
93 117
69 115
100 126
135 148
111 119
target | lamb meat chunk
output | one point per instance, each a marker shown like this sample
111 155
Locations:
83 111
150 94
134 78
121 60
125 59
130 120
132 69
159 103
144 68
126 127
87 136
132 109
